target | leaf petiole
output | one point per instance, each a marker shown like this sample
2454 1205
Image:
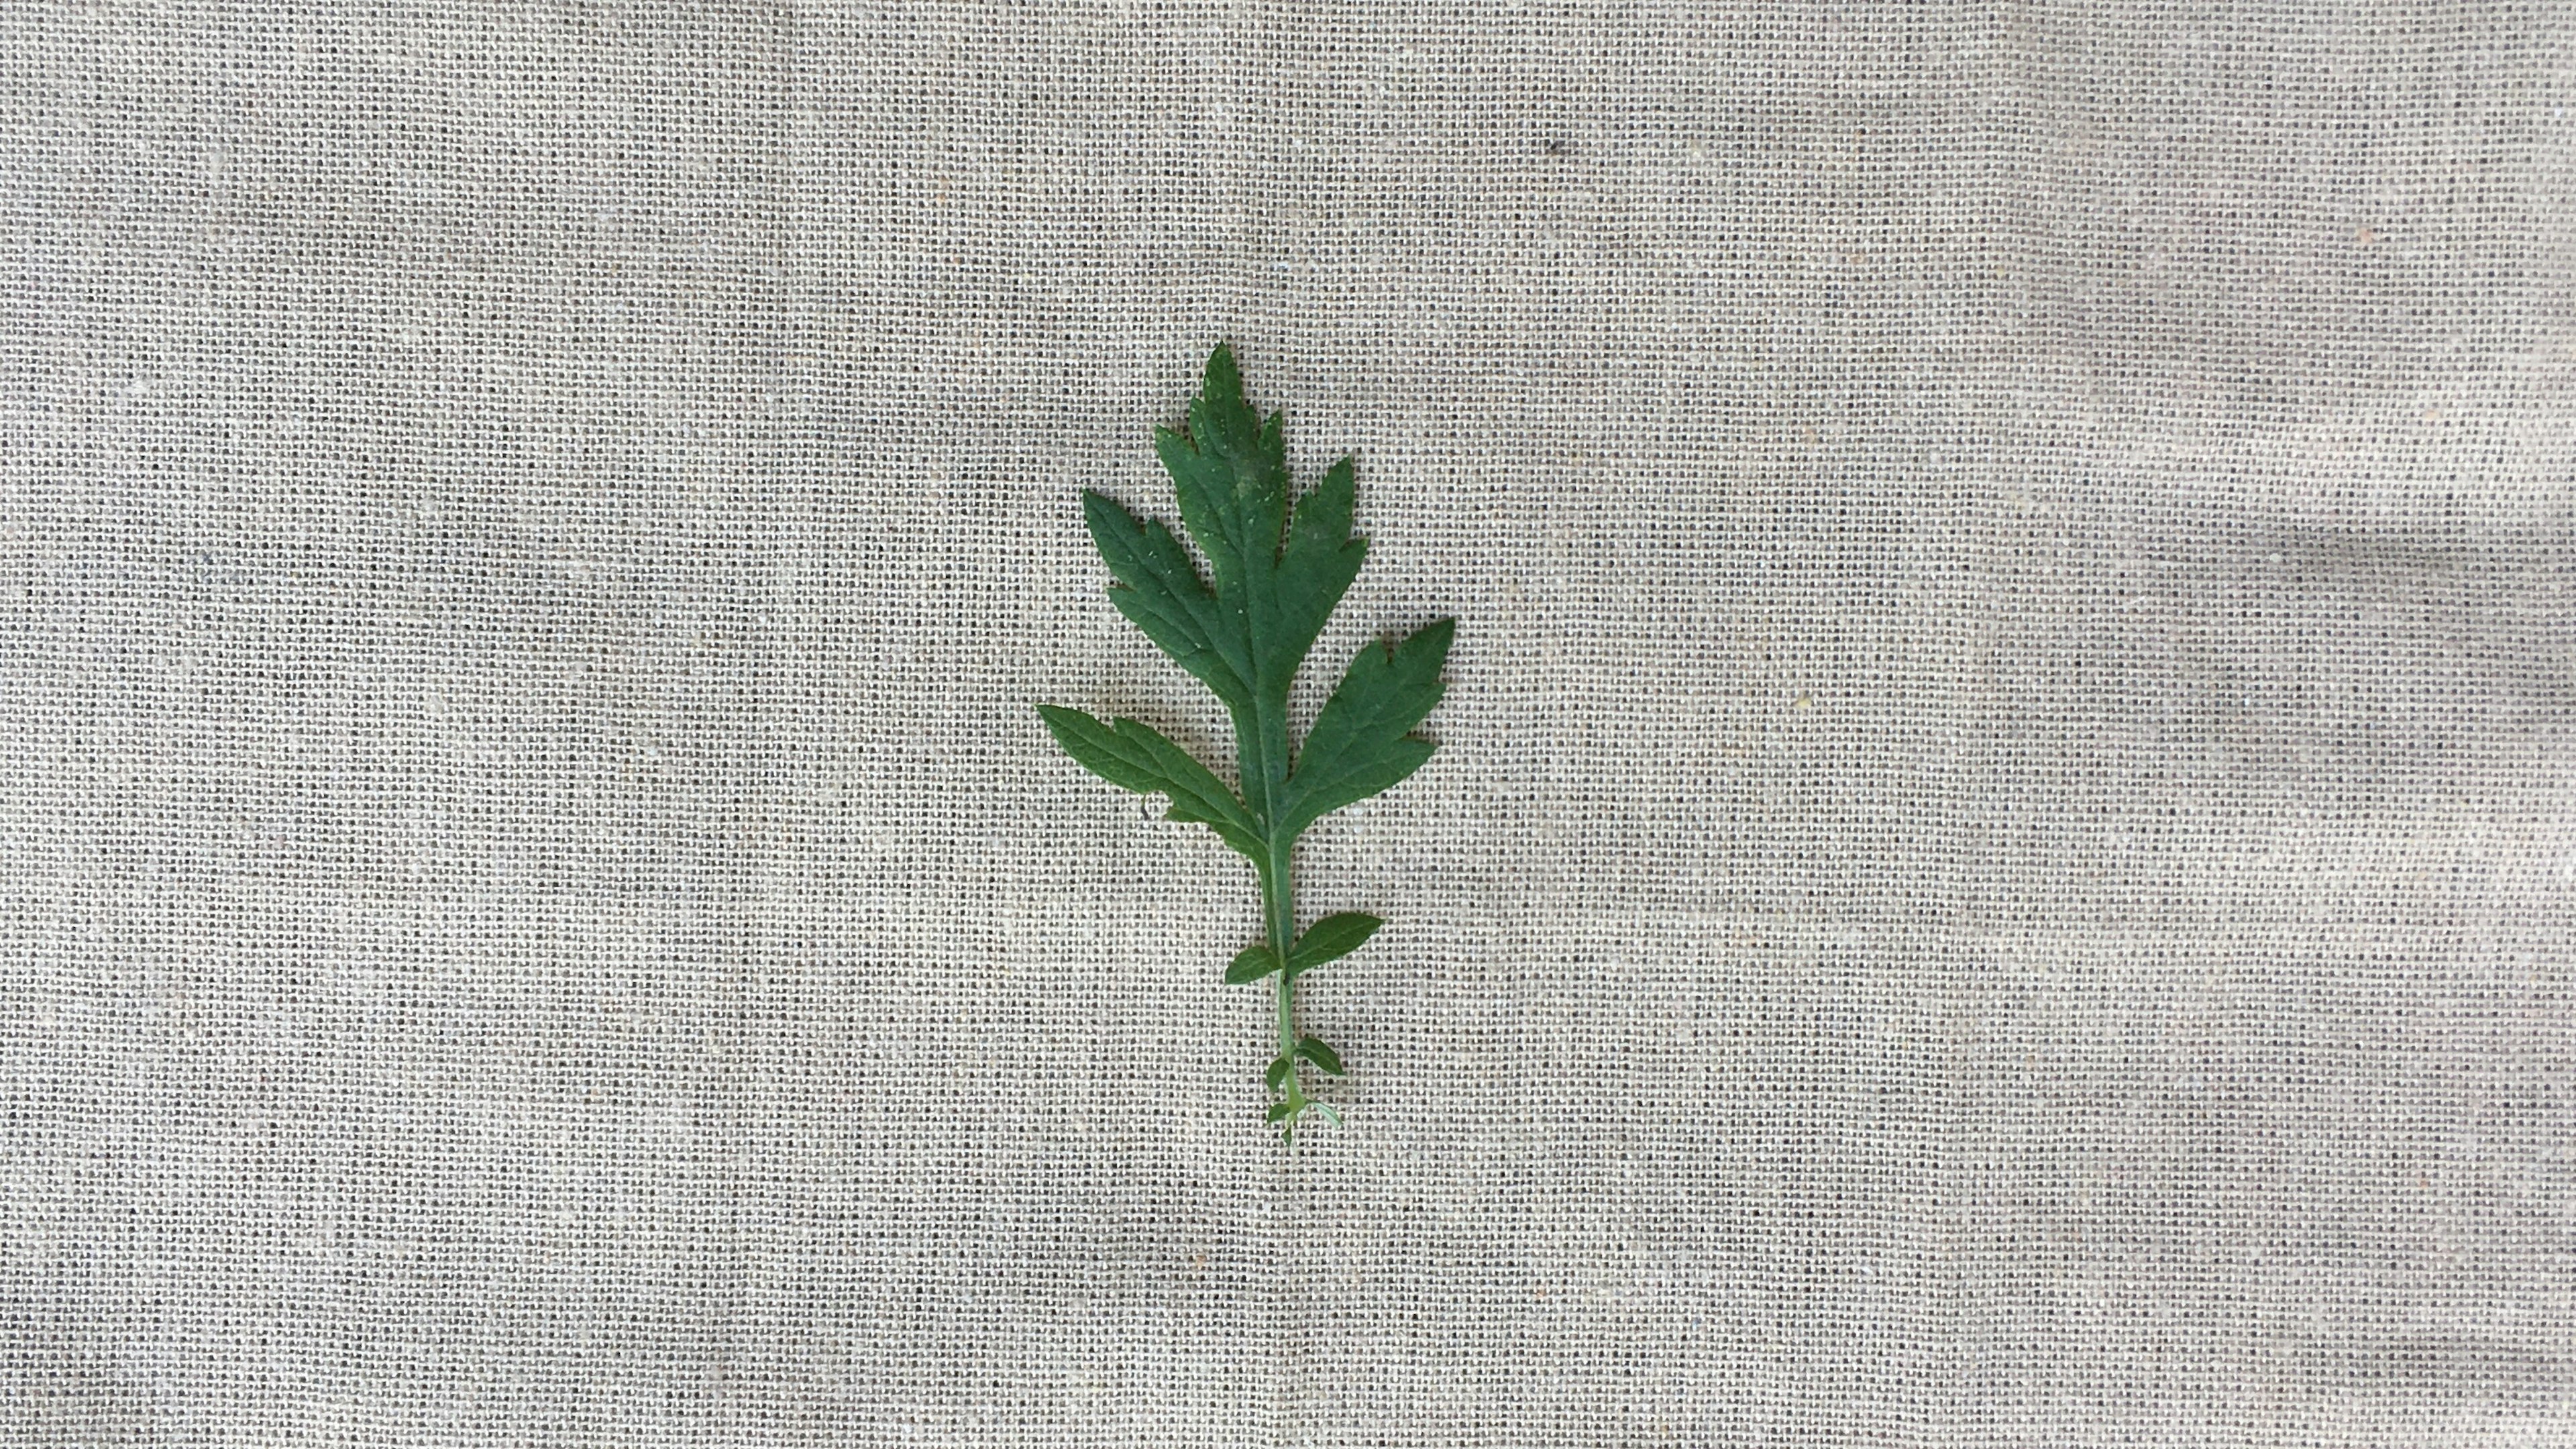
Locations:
1279 908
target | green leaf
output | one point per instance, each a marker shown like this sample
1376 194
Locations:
1330 939
1276 566
1276 581
1363 743
1324 1057
1316 567
1255 963
1134 756
1281 1110
1159 591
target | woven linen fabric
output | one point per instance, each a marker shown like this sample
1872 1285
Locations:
1998 872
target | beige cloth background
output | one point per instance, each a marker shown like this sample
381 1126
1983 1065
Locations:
1998 875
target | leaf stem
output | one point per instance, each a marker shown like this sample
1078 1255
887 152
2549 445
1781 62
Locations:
1279 906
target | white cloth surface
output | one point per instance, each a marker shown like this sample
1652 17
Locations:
1998 872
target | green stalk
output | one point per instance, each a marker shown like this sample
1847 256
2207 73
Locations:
1280 908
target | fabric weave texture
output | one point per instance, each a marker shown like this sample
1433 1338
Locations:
1999 867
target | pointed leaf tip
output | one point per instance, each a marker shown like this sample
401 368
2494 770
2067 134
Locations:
1254 963
1324 1057
1330 939
1134 756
